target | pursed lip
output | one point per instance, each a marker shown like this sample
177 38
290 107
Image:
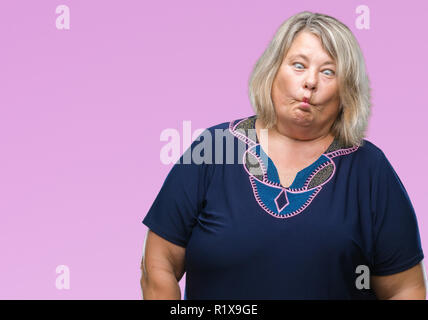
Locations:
305 104
306 100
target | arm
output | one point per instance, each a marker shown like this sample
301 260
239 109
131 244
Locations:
406 285
162 268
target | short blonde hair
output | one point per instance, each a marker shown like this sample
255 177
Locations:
354 88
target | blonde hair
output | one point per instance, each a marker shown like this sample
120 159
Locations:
354 88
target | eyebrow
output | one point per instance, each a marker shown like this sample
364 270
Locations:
306 58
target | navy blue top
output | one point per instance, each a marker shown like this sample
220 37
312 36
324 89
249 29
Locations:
248 237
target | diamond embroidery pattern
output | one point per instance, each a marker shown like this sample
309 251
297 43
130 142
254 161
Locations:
281 200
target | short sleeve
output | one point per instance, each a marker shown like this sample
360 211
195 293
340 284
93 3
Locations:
397 244
174 212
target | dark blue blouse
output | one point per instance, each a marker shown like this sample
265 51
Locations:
248 237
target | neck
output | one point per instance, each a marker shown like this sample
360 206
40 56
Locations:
307 145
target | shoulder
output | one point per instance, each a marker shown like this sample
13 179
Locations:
371 159
229 124
370 152
227 127
216 144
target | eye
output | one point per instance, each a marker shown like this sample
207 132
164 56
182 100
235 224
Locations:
332 72
297 63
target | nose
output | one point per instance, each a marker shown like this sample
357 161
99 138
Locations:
309 85
310 81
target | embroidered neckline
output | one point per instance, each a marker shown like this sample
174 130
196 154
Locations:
334 145
277 200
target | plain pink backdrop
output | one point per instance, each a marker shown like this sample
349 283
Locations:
82 111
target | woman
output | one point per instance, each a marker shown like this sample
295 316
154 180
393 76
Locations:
303 216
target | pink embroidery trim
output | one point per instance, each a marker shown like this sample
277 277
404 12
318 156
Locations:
265 181
318 169
239 135
283 216
276 201
262 166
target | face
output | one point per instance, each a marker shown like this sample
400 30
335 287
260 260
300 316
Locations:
306 71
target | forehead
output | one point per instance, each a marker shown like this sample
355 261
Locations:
308 45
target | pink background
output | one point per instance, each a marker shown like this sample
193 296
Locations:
82 111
